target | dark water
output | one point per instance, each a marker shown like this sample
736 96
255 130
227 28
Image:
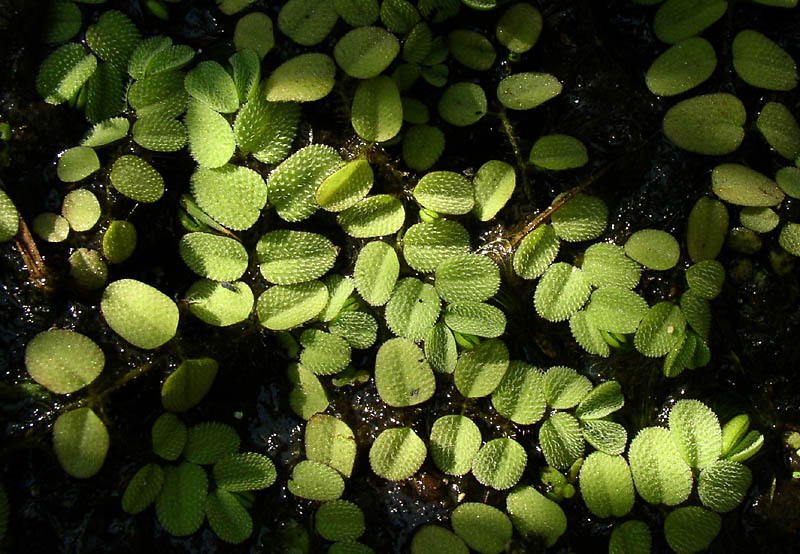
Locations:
600 51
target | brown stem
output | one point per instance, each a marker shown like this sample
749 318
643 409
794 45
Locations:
30 253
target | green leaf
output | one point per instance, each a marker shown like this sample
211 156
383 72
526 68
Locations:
402 374
493 185
601 401
484 528
9 218
279 133
607 436
171 58
377 111
747 447
616 310
454 441
631 537
180 506
246 64
287 306
159 94
468 277
399 16
788 179
534 514
144 53
659 472
339 290
329 440
106 132
359 329
520 395
677 20
169 436
214 257
289 257
779 127
104 93
499 463
733 431
413 309
159 133
63 361
232 195
582 217
210 442
137 179
432 539
762 63
588 334
479 372
227 517
307 22
606 485
760 220
76 164
426 245
557 152
740 185
723 485
445 192
471 49
143 488
364 52
660 330
418 45
188 384
357 13
561 292
682 67
220 304
462 104
51 227
561 440
349 547
441 349
696 432
654 249
706 229
397 453
80 442
339 520
346 187
564 387
211 140
607 265
304 78
705 278
524 91
323 353
710 124
113 38
254 32
536 252
139 313
422 145
789 238
63 21
291 185
691 529
246 471
374 216
64 72
307 397
519 27
475 318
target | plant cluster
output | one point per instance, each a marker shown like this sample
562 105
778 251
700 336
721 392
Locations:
362 248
